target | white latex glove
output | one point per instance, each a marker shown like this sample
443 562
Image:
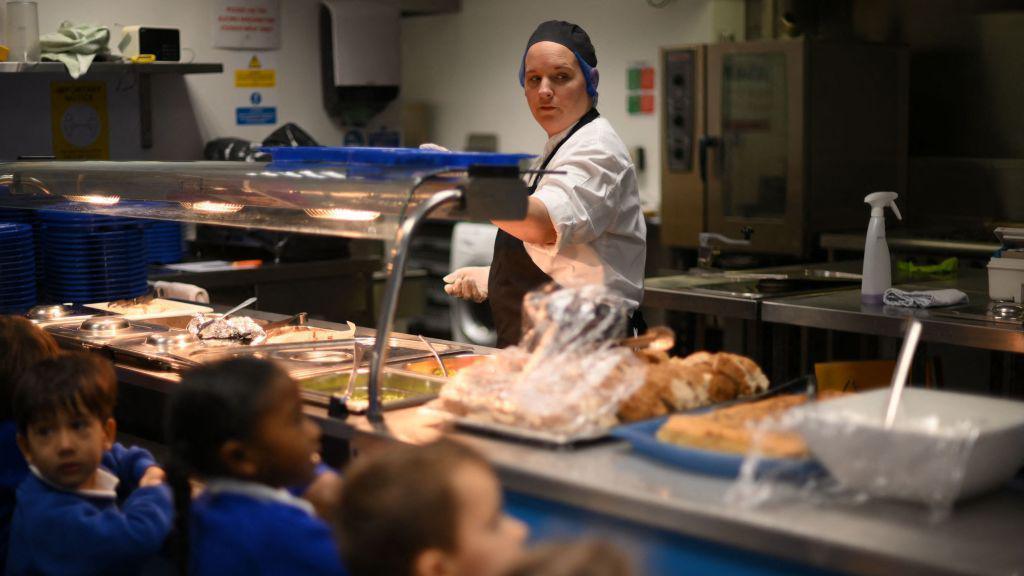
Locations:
469 283
433 147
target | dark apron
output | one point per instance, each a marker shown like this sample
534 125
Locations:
513 272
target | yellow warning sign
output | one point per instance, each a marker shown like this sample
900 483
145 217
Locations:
255 78
254 62
78 115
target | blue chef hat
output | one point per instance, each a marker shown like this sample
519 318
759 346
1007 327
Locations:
572 37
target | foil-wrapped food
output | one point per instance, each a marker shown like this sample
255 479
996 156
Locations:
212 327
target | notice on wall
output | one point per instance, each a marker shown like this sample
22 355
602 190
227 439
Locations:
247 24
249 115
78 116
640 88
255 75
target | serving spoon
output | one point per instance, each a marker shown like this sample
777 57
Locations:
241 306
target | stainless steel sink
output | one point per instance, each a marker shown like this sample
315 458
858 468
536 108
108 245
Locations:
757 285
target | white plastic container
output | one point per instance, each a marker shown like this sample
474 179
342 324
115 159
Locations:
943 446
1005 276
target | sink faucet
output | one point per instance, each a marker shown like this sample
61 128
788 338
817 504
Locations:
706 252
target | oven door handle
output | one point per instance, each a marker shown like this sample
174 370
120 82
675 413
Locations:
706 142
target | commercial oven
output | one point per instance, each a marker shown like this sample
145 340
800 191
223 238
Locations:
784 136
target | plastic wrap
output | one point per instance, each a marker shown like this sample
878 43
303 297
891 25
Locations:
566 379
923 459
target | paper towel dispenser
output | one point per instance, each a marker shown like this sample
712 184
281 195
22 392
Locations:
360 57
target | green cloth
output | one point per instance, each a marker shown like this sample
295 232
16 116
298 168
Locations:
947 266
76 45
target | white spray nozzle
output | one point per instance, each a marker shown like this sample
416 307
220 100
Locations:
879 201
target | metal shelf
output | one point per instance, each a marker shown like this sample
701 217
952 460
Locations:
107 68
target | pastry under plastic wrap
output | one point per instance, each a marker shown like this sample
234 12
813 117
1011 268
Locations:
234 328
573 394
700 379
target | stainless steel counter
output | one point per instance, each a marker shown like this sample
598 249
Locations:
876 538
607 478
844 311
674 293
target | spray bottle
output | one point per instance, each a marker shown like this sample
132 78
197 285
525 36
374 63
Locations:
877 277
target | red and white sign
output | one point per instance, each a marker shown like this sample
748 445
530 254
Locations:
247 24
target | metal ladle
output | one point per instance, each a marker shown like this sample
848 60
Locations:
899 376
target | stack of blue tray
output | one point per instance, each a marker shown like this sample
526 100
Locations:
17 268
26 216
92 258
165 241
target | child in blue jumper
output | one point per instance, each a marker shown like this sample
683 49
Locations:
67 519
22 344
239 427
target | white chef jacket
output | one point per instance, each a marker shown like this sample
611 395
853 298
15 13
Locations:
595 208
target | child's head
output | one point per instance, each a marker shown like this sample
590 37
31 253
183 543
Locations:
22 344
64 407
581 558
425 510
242 418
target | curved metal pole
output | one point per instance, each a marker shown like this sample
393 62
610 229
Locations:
396 270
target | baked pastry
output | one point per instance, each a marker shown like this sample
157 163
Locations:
733 429
697 380
742 370
708 434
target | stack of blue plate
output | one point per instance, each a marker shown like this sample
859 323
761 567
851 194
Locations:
165 241
25 216
17 268
92 258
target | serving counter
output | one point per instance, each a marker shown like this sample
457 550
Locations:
673 521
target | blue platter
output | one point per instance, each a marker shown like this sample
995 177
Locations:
643 437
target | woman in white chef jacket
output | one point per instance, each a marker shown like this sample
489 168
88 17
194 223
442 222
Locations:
584 223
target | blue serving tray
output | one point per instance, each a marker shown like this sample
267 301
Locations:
397 157
643 437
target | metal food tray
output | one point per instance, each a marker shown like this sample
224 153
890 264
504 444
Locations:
507 431
422 390
303 360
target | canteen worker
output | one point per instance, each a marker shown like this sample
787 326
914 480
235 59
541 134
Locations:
584 223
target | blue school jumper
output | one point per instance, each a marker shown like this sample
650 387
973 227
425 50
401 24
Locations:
55 531
12 471
127 463
248 528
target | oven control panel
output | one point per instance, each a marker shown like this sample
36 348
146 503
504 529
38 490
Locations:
680 85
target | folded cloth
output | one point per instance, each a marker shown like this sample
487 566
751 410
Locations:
76 45
923 298
181 291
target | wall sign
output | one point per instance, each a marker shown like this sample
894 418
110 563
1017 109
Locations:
247 24
250 115
255 76
78 117
640 89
